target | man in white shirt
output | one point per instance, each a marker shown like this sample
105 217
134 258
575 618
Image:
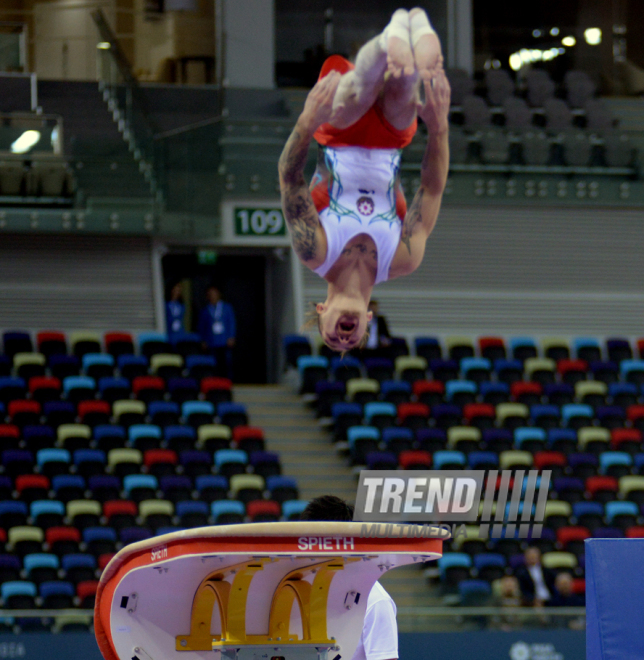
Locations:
379 638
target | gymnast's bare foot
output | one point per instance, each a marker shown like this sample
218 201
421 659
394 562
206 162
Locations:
425 43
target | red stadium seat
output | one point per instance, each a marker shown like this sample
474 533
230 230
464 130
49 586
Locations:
216 390
51 343
415 410
44 388
119 507
572 370
24 412
636 532
9 436
63 540
492 348
479 414
422 388
38 484
602 486
154 457
104 560
579 586
119 343
497 484
248 438
263 511
640 348
86 592
526 392
544 460
148 388
93 413
567 534
411 459
626 439
635 415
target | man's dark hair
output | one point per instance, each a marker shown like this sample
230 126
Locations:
328 507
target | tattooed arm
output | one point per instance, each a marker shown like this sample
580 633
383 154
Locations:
307 235
423 210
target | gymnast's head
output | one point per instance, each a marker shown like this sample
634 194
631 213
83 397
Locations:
328 508
342 322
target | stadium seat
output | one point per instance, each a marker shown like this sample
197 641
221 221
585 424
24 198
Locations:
555 348
79 567
211 488
197 413
311 369
545 415
139 487
130 535
615 463
576 415
148 388
635 415
68 487
294 347
114 389
164 413
131 366
62 366
84 513
213 437
345 368
74 436
607 372
217 390
118 343
144 436
569 489
47 513
513 459
16 342
109 436
195 462
448 460
126 412
186 343
497 440
460 392
459 348
25 540
120 514
572 371
415 460
632 371
395 391
557 514
156 513
380 369
62 540
226 512
479 415
631 488
494 393
492 348
24 412
35 438
41 567
397 439
265 463
483 460
292 509
414 415
362 440
327 394
153 343
160 462
98 365
429 392
28 365
31 487
593 440
232 414
428 348
430 439
12 387
443 370
540 370
623 394
248 438
463 438
247 487
84 342
550 460
602 488
10 568
93 413
282 488
44 388
490 566
508 370
122 462
588 514
166 365
200 367
410 368
362 390
379 414
192 514
512 415
454 567
523 348
18 595
628 440
100 540
230 462
587 349
621 514
530 439
176 488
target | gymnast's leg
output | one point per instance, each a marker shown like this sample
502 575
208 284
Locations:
388 52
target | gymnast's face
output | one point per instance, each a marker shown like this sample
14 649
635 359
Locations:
342 326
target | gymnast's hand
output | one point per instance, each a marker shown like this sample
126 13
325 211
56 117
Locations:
435 110
318 108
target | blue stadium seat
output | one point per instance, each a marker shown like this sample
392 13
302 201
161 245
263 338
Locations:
68 487
139 487
176 487
621 514
265 463
98 365
53 461
13 513
545 415
444 370
327 394
483 460
382 460
311 368
131 366
345 368
38 437
183 389
151 343
587 348
449 460
232 414
618 350
294 347
291 509
564 440
395 391
179 438
164 413
195 462
57 594
211 487
460 392
632 371
78 388
192 513
529 439
47 513
129 535
623 394
446 415
200 366
100 540
490 565
380 369
615 463
144 436
231 461
41 567
227 511
429 348
568 489
576 415
362 440
79 567
89 462
450 562
18 594
605 371
17 461
379 414
12 387
282 488
474 593
186 343
494 393
62 366
114 389
109 436
476 369
398 438
197 413
522 348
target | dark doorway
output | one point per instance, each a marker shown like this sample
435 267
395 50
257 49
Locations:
241 280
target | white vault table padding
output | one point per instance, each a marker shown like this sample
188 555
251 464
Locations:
148 591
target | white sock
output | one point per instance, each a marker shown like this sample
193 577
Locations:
419 26
398 27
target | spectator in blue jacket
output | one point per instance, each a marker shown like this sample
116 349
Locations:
217 329
175 311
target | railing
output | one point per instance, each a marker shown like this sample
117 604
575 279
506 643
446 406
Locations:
445 619
125 100
410 619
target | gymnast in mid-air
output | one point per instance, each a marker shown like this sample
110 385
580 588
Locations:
351 225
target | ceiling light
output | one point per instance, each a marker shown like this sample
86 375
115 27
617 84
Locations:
515 61
593 36
27 140
554 32
536 33
103 45
569 41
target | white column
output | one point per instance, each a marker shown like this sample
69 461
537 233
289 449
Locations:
248 41
460 35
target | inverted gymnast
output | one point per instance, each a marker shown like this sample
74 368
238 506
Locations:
351 226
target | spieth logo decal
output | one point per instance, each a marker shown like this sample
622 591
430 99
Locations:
158 553
365 205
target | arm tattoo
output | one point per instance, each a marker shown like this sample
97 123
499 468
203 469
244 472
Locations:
300 212
412 218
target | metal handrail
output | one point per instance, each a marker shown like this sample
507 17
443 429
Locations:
432 612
